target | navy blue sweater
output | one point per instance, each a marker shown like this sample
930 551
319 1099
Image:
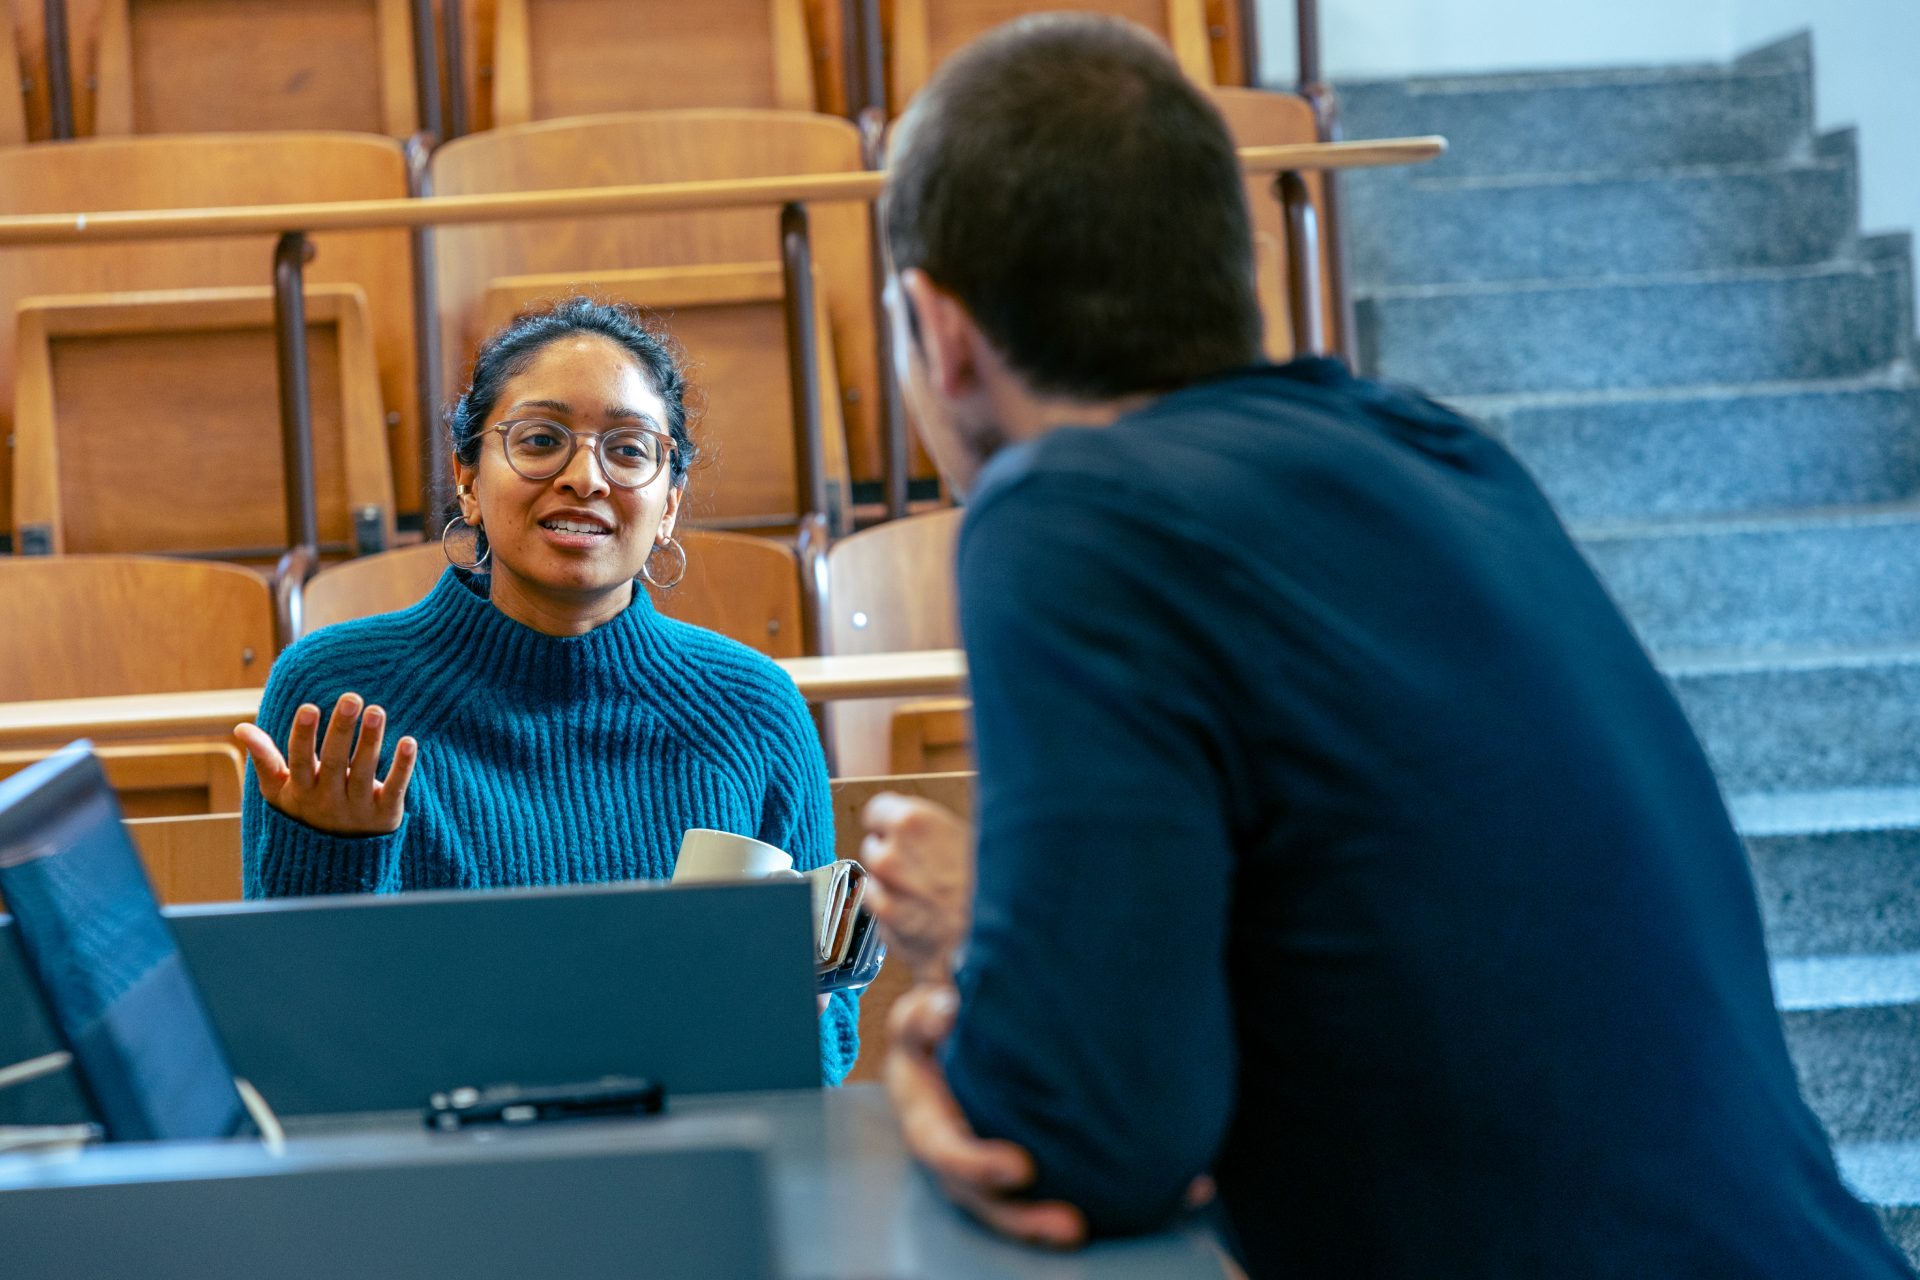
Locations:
1337 836
551 760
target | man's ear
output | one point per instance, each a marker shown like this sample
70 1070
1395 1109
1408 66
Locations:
945 332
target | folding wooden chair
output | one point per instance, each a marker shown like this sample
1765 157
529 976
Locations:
709 274
95 626
195 467
850 797
255 65
1261 119
524 60
925 33
889 590
193 858
746 588
205 170
161 780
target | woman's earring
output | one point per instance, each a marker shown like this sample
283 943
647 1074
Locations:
680 565
473 540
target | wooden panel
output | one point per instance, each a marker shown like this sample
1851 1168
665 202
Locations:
743 587
381 583
926 33
258 65
191 859
663 147
236 169
932 735
555 58
200 364
83 626
161 781
1226 39
890 590
1260 119
850 796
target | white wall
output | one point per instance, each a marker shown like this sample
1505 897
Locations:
1865 54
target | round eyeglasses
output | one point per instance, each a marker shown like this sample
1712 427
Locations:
540 450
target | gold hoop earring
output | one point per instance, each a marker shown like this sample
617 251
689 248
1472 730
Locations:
680 569
477 556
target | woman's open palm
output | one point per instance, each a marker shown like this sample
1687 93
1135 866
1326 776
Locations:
331 785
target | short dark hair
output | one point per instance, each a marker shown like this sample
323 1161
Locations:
1080 196
508 353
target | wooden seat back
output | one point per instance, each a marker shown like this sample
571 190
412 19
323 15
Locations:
889 590
255 65
204 448
160 780
850 797
743 587
210 170
555 58
1261 119
924 33
676 146
87 626
194 858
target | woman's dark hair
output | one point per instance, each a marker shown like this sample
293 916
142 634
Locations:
509 352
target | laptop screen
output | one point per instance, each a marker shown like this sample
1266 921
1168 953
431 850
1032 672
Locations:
144 1048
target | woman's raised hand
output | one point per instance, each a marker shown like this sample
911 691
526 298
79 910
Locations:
331 785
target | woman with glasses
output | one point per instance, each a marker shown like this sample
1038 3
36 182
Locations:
557 728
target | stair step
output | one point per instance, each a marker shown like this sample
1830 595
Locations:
1806 721
1853 1026
1666 452
1712 328
1837 871
1839 577
1618 121
1413 228
1887 1176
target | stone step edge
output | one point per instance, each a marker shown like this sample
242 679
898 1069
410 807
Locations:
1423 182
1812 984
1683 664
1575 78
1836 518
1899 376
1844 266
1882 1173
1773 815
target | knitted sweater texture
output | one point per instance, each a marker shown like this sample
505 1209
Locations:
551 760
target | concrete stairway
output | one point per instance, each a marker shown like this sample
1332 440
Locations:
1652 285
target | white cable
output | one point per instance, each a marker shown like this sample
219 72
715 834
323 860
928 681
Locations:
33 1068
272 1136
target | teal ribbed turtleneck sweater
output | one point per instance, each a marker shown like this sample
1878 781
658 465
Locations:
551 760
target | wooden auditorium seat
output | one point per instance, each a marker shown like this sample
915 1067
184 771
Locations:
13 99
1261 119
743 587
97 626
548 59
850 797
890 590
196 467
202 170
921 34
214 66
190 858
707 271
161 780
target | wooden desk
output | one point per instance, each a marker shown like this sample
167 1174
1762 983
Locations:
213 713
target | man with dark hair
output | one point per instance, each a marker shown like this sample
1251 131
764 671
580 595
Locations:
1337 841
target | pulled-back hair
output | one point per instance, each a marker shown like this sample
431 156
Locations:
508 353
1083 200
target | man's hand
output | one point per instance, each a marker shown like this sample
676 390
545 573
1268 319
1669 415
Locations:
983 1177
332 787
919 858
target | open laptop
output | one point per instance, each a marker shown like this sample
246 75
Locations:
146 1055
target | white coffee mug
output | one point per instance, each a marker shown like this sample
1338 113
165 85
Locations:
722 855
